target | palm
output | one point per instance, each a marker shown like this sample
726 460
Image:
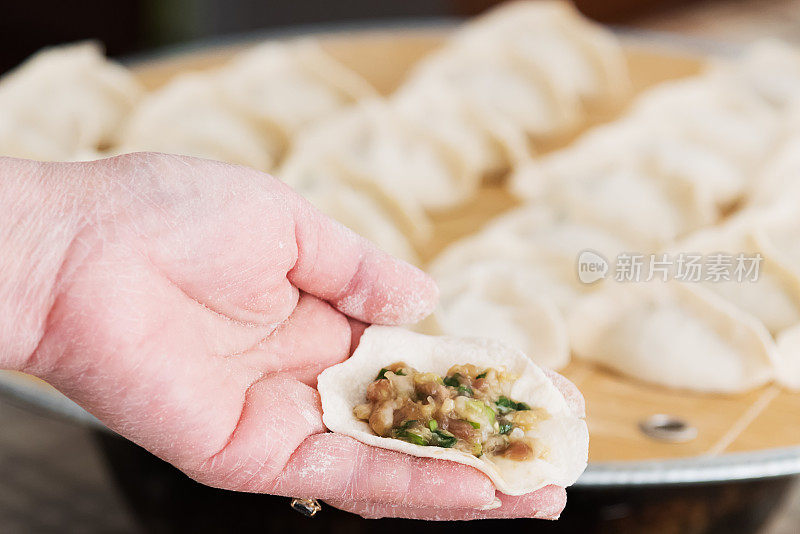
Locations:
179 323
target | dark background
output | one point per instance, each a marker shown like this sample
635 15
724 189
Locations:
133 26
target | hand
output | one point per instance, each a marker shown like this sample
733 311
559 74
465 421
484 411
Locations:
190 305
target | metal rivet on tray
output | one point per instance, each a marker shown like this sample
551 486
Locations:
307 507
669 428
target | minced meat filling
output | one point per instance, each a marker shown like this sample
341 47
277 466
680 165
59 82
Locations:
469 410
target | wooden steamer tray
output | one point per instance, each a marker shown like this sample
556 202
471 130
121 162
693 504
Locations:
739 437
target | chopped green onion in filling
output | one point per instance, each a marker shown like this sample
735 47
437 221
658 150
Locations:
469 409
443 438
452 381
506 405
383 372
465 390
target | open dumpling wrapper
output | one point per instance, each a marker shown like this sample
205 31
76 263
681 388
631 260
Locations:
563 435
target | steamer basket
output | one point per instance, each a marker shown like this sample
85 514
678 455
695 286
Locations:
632 479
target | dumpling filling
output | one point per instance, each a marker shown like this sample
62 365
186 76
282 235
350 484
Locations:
469 410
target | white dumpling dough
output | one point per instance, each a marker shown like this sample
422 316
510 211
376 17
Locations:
373 148
581 58
788 369
360 213
516 279
675 335
63 103
563 435
290 85
683 156
774 298
189 116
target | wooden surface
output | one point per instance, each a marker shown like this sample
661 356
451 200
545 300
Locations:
758 420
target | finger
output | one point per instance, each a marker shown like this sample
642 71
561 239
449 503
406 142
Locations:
314 337
277 415
357 277
221 233
247 233
279 446
337 467
571 393
546 503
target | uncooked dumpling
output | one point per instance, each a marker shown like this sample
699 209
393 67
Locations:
628 201
538 65
769 67
376 149
679 160
509 301
525 72
774 298
495 82
290 85
368 212
675 335
777 235
360 213
788 369
517 278
189 116
777 185
709 111
539 240
315 163
580 57
486 143
64 102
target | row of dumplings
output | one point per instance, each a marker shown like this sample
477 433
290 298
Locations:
69 103
704 165
469 112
